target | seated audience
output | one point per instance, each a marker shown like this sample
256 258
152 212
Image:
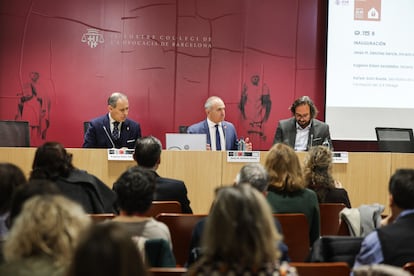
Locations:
393 244
107 250
318 177
11 177
240 236
287 189
135 190
147 154
252 174
43 237
23 193
53 162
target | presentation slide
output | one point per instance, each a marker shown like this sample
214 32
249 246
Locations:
370 67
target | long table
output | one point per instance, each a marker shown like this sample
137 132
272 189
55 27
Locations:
365 177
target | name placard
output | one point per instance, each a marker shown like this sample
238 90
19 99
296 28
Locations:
243 156
120 154
340 157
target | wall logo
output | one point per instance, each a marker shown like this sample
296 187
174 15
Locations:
92 37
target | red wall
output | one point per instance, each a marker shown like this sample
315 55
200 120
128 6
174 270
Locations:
270 50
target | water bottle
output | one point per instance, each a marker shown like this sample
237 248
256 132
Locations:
241 144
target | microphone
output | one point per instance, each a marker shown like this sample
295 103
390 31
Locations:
311 141
109 137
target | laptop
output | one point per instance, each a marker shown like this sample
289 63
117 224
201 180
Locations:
185 141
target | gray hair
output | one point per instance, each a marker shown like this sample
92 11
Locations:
254 174
210 101
113 99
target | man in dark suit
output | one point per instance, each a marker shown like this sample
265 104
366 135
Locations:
148 155
393 244
113 130
303 131
221 135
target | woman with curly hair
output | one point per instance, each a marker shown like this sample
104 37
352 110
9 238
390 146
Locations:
43 237
318 177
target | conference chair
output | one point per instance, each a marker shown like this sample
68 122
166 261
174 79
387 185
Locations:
167 271
181 227
158 207
330 218
312 269
101 217
14 134
336 249
296 235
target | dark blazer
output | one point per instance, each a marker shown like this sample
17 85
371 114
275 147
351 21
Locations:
99 131
286 133
86 189
229 131
337 195
172 189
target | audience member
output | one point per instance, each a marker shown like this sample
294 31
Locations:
253 174
302 131
215 126
43 237
113 130
318 177
393 244
240 236
11 177
53 162
147 154
287 189
107 250
135 191
34 187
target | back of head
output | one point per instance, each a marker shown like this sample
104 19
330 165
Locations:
34 187
318 164
47 225
401 187
254 174
107 249
302 101
135 190
240 229
11 177
284 169
51 161
147 151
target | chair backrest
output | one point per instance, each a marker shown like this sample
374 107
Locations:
158 207
101 217
167 271
181 227
330 218
296 235
14 134
336 249
312 269
409 267
395 139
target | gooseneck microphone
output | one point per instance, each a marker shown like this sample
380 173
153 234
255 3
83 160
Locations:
109 137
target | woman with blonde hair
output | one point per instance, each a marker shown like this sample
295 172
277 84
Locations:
43 237
240 237
287 189
318 177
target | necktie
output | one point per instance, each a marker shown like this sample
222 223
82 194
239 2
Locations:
115 131
218 143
